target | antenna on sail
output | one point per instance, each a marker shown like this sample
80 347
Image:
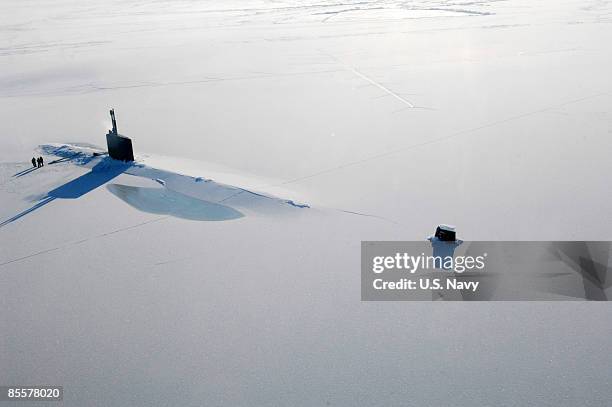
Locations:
112 114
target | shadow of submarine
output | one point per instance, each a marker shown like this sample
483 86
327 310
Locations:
160 201
101 173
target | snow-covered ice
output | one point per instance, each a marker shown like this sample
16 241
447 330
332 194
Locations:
372 113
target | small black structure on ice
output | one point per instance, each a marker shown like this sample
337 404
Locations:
119 147
446 233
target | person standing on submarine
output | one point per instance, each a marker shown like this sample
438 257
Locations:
34 162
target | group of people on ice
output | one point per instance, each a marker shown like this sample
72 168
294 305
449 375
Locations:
37 162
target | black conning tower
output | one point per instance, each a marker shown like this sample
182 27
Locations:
119 147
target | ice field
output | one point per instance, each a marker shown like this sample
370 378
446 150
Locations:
272 137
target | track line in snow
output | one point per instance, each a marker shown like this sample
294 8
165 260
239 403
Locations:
380 86
83 241
370 80
434 141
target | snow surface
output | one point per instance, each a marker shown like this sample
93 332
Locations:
373 113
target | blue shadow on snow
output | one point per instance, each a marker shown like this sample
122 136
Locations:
101 173
162 201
